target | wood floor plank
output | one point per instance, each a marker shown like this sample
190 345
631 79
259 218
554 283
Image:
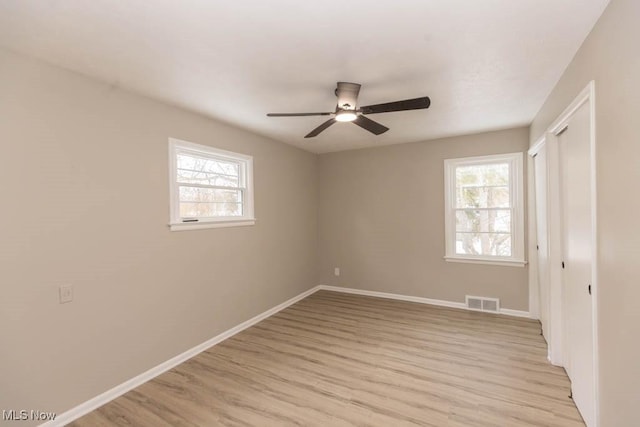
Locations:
337 359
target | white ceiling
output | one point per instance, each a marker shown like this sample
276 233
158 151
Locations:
485 64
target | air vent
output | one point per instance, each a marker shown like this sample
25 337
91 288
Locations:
474 303
483 304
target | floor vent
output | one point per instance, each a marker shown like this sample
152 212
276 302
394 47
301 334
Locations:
483 304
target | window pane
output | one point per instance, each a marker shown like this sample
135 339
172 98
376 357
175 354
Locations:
209 202
194 177
199 170
215 209
198 194
470 220
482 186
483 244
472 196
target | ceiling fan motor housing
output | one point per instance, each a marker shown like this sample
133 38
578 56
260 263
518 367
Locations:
347 94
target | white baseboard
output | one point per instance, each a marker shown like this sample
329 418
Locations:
117 391
421 300
516 313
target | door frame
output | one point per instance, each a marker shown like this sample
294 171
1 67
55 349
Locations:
554 223
535 302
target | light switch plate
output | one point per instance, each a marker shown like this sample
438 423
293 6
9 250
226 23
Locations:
66 293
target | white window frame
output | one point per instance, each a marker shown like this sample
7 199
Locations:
516 193
176 223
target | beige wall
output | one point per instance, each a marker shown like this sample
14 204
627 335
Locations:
382 221
85 201
610 56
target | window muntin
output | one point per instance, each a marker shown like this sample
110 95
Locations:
209 186
484 208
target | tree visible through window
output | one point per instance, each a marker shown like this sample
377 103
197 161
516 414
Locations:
484 207
483 212
209 186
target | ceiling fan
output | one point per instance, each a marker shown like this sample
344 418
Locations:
346 110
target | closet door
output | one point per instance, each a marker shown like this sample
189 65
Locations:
577 242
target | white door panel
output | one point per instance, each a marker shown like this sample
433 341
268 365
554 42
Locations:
575 162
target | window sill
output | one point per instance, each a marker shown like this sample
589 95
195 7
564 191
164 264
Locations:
185 226
487 261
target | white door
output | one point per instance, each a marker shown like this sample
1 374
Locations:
542 245
567 299
575 164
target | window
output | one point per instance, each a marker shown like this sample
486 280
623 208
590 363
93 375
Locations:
484 213
209 187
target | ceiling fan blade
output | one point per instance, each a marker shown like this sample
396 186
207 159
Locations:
407 104
370 125
297 114
320 128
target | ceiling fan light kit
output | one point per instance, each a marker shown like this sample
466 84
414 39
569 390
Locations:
347 111
346 116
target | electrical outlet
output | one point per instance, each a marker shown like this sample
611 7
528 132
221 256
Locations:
66 293
336 271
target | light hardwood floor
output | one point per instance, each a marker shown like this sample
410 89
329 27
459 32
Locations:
336 359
